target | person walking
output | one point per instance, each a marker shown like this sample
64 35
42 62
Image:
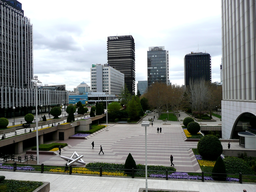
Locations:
101 150
59 150
93 145
228 145
157 129
160 129
171 159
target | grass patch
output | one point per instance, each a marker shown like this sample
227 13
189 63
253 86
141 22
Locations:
13 185
168 116
94 128
216 115
48 147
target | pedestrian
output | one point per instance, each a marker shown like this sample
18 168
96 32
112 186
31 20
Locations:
93 145
228 145
157 129
152 123
59 150
101 150
171 159
160 129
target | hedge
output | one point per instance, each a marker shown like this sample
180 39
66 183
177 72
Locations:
48 147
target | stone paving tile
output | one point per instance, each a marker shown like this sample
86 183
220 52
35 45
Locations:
122 139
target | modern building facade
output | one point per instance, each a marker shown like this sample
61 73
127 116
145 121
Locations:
239 71
83 88
17 92
105 78
142 86
121 56
197 65
158 65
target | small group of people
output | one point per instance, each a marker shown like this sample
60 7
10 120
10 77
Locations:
159 129
101 149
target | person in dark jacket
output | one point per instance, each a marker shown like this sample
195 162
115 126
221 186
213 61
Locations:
171 159
101 150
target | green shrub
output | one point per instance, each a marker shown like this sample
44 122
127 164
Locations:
92 112
236 165
193 128
29 118
116 119
71 109
3 122
2 178
219 171
129 164
187 120
48 147
55 112
209 147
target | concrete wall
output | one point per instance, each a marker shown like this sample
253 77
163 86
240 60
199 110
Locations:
84 125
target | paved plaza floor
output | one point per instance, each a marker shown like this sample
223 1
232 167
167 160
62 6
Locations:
118 140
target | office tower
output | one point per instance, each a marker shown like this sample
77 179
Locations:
142 86
105 78
17 93
239 73
158 65
197 66
121 56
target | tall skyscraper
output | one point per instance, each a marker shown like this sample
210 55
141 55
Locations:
239 71
197 66
17 92
158 65
121 56
142 87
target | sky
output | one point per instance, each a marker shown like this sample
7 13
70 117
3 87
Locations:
70 36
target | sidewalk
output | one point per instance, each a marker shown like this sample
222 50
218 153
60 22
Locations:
67 183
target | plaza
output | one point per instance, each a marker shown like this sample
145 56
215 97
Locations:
118 140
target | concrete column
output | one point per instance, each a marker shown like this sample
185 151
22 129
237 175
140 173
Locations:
41 139
19 147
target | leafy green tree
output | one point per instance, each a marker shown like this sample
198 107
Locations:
71 109
79 104
3 122
144 104
92 113
187 120
99 108
114 107
55 112
125 96
29 118
134 108
193 128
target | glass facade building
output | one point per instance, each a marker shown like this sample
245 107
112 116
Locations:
142 86
197 66
121 56
16 64
158 65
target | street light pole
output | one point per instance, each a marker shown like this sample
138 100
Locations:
146 124
14 115
36 81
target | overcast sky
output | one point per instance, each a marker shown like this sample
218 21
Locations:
70 36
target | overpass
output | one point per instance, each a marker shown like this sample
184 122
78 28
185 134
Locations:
17 143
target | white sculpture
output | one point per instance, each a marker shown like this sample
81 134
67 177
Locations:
73 159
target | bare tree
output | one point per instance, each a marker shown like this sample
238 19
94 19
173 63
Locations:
199 95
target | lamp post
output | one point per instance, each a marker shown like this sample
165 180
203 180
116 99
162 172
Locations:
36 82
146 124
13 115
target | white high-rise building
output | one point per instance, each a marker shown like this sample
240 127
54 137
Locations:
105 78
239 71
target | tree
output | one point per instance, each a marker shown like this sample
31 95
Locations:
99 108
71 109
134 108
3 122
79 104
125 96
92 112
219 170
215 97
144 104
129 164
29 118
138 93
199 95
113 107
55 112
